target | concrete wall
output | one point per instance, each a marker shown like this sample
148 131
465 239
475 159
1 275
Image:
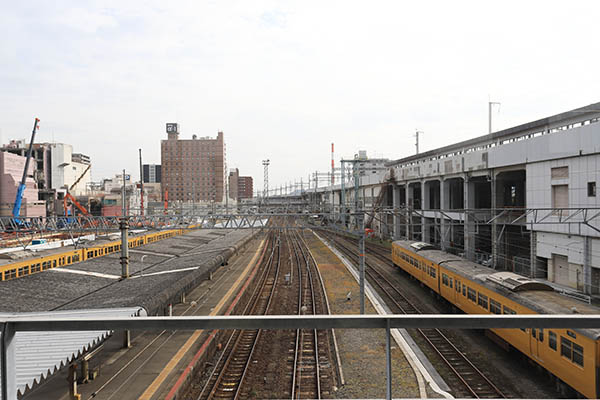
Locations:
582 169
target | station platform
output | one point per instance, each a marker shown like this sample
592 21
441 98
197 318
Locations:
155 362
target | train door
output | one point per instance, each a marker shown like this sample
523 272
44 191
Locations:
536 341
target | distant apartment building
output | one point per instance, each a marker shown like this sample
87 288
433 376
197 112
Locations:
151 173
245 188
193 169
11 172
240 187
234 175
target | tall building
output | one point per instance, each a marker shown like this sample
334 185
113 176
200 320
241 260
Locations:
245 188
193 169
152 173
234 175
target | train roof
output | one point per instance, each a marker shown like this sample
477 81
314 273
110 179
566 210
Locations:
534 294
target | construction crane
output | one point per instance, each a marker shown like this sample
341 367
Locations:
70 197
19 199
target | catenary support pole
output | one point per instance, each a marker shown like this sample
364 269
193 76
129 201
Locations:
141 186
388 361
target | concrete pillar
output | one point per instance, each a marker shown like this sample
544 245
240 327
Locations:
9 369
424 227
409 206
587 265
494 235
126 339
72 379
468 228
443 206
532 253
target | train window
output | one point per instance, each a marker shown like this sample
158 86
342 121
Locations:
464 290
21 271
458 286
541 334
10 274
90 253
76 258
572 334
69 260
495 307
472 295
533 332
552 340
483 300
509 311
578 354
450 281
53 263
572 351
445 279
95 253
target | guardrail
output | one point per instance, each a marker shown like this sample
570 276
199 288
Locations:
12 325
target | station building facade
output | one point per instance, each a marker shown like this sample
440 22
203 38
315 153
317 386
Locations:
522 199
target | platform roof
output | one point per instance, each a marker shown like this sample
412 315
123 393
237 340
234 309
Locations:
41 354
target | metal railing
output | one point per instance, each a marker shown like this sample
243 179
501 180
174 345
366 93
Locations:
12 325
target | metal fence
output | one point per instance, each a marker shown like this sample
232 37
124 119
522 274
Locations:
12 325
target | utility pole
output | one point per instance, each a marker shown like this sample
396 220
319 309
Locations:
343 193
491 104
361 235
123 196
141 186
265 164
417 140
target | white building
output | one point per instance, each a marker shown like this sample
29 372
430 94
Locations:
67 167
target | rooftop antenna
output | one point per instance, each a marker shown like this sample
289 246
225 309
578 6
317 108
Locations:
417 139
491 104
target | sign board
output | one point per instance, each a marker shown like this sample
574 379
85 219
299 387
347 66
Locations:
172 127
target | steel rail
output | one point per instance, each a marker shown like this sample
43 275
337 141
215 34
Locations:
436 339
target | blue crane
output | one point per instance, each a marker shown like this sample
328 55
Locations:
17 207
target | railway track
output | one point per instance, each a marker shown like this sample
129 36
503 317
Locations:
313 372
468 380
228 374
156 342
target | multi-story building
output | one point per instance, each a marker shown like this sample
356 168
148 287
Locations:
152 173
11 172
522 199
193 169
234 176
245 188
240 187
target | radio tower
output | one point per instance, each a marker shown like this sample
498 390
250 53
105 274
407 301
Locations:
266 178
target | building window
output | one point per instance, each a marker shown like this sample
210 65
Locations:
560 196
591 189
560 173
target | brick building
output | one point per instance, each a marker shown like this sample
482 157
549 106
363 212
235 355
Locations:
245 188
193 169
240 187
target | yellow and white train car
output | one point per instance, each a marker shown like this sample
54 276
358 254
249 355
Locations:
571 355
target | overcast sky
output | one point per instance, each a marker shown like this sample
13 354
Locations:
283 80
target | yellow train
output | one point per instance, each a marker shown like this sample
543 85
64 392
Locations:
572 356
59 257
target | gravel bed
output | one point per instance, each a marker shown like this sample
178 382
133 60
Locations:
362 351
